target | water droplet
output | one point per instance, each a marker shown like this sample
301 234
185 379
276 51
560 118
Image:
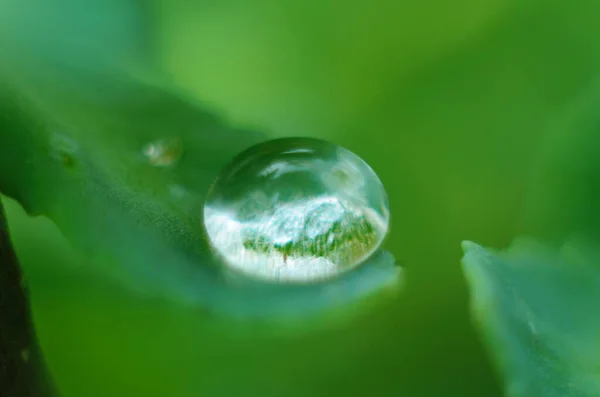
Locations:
163 152
296 210
64 149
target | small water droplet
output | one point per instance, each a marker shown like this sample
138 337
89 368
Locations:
296 210
163 152
64 149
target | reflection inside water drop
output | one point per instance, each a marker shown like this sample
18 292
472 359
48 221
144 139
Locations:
163 152
296 210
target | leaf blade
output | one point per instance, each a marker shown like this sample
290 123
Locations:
535 307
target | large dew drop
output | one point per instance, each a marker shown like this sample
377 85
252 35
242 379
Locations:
296 210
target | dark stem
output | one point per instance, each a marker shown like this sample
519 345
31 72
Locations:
22 369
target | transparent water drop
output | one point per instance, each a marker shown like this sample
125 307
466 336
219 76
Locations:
63 148
163 152
296 210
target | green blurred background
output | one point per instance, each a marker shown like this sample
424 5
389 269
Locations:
458 106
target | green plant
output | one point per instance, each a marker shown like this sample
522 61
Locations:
482 126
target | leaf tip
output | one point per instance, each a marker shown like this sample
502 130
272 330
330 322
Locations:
469 246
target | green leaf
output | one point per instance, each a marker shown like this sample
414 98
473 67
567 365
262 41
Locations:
538 311
74 143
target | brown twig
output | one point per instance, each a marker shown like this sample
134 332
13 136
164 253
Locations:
22 368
